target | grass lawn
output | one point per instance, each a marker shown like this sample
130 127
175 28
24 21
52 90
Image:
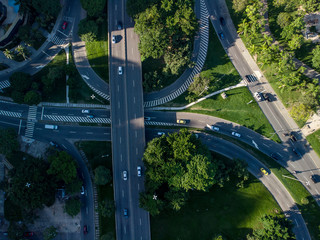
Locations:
235 108
99 153
314 140
230 211
307 205
97 52
82 93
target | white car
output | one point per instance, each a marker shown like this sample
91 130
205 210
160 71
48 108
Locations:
82 190
139 171
120 70
147 118
125 175
258 96
85 111
236 134
113 39
213 128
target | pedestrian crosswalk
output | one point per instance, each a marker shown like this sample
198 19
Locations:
4 84
57 118
101 94
58 41
32 114
10 114
152 123
200 59
250 78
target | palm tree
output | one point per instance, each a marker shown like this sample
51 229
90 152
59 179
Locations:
21 51
8 54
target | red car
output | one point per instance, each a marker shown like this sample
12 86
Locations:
64 25
85 229
28 234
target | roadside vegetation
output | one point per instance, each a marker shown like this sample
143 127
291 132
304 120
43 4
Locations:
166 30
304 200
93 30
100 162
239 107
314 140
297 92
32 183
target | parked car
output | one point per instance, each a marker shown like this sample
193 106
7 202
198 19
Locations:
120 70
28 234
139 171
125 213
236 134
258 96
221 35
125 175
85 229
222 22
113 39
161 133
82 190
64 25
313 178
264 171
85 111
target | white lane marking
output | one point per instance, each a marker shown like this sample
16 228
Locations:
255 144
70 114
317 192
46 53
106 133
42 113
135 116
132 66
64 146
19 126
266 145
296 222
121 157
119 122
119 105
115 7
125 230
133 83
249 136
85 76
134 99
40 66
72 132
89 132
120 139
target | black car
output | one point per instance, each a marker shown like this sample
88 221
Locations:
314 178
125 213
275 156
295 151
119 25
293 137
266 97
222 22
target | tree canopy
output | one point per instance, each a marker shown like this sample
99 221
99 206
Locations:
72 206
88 30
63 167
176 164
8 141
102 175
94 8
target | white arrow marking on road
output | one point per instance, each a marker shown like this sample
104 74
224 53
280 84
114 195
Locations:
308 183
85 77
41 66
256 145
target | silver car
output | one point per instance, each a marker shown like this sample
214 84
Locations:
120 70
125 175
139 171
236 134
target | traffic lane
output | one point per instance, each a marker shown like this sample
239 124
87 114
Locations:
101 113
274 186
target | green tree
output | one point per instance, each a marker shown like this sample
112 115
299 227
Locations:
72 206
88 30
200 85
175 61
32 97
283 19
150 203
218 237
102 175
239 5
8 141
316 57
93 7
16 230
135 7
274 227
108 236
63 167
74 186
301 112
240 171
50 233
20 81
106 208
30 185
21 50
50 8
295 42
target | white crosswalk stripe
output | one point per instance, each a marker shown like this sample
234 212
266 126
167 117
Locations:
58 41
202 54
10 114
4 84
32 115
57 118
160 123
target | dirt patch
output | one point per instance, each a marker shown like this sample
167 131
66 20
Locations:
34 148
55 216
